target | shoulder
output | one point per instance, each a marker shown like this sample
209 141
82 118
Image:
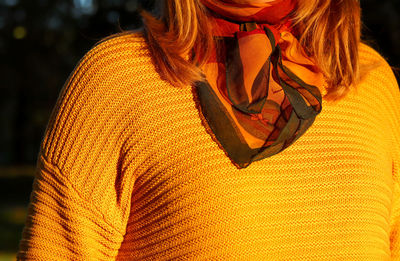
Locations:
128 37
380 88
101 95
376 75
119 57
116 69
375 67
121 45
367 52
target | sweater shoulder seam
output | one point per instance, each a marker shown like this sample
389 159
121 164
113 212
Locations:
70 184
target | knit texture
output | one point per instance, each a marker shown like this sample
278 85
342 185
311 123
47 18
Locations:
127 171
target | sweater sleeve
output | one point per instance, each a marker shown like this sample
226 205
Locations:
62 225
81 196
395 214
380 78
390 85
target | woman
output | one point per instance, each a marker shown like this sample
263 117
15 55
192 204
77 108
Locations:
226 130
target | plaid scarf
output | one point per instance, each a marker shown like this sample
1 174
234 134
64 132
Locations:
262 92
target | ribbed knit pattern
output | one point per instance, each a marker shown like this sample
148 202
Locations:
127 171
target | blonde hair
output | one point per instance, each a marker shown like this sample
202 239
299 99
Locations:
329 31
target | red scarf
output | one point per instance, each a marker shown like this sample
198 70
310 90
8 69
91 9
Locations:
262 91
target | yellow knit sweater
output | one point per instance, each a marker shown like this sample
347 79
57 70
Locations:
127 171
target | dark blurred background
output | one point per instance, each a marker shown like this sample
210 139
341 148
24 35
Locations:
40 43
